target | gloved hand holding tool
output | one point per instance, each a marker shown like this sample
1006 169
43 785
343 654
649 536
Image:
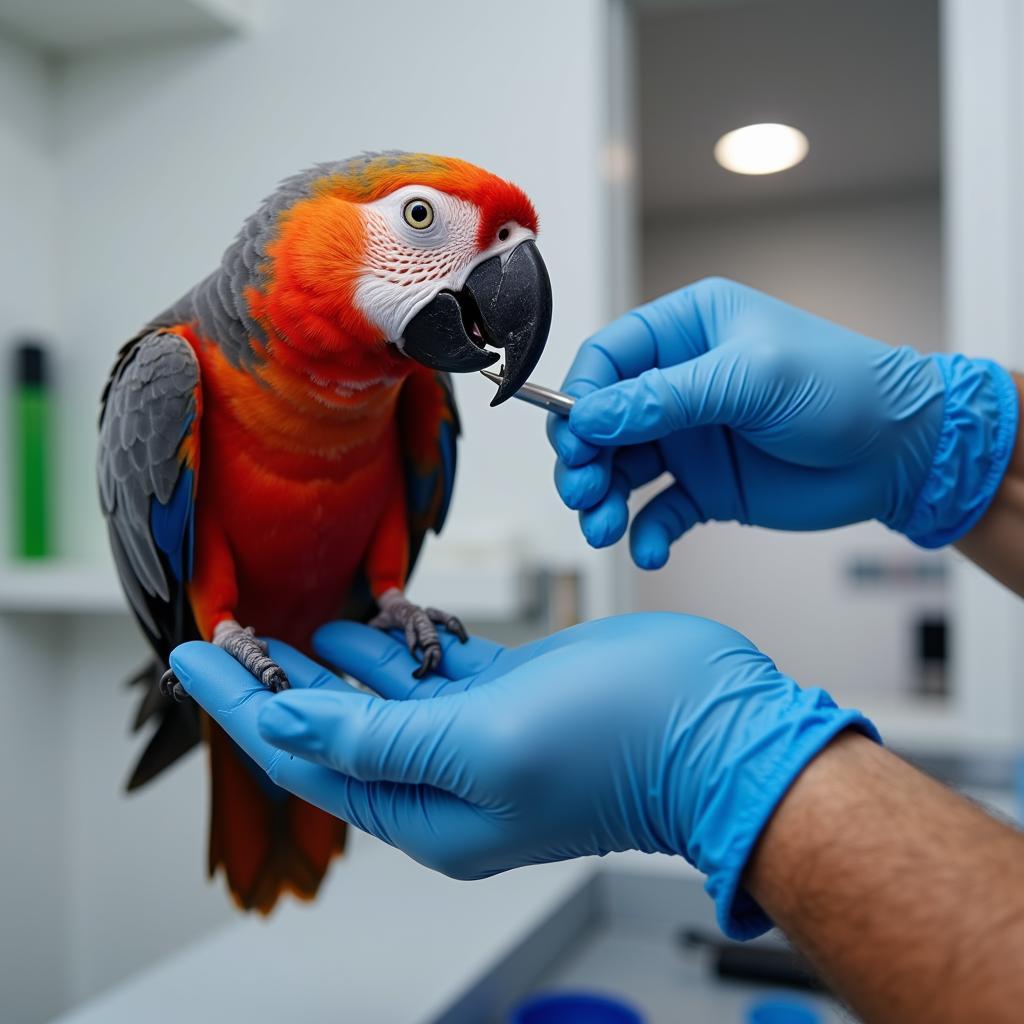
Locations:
770 416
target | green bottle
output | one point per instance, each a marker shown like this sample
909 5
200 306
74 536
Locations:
30 462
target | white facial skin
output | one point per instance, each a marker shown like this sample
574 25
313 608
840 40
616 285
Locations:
407 265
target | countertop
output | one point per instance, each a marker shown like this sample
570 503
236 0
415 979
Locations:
387 941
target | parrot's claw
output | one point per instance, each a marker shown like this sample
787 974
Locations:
420 628
450 622
170 686
251 653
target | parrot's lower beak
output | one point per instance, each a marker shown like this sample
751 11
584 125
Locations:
505 303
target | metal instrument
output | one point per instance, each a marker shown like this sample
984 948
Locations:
536 394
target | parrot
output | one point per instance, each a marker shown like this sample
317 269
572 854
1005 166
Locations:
275 446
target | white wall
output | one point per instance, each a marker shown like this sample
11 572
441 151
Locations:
27 104
873 264
28 177
35 831
983 130
159 154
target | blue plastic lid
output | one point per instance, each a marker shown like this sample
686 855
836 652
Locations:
573 1008
781 1011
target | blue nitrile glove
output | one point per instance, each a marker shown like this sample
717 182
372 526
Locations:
654 732
769 416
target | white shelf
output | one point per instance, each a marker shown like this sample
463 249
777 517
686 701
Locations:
59 28
474 583
59 588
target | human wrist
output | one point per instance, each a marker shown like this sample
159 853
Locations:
883 879
724 807
973 450
814 815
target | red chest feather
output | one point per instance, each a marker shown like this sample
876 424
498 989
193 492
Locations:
293 502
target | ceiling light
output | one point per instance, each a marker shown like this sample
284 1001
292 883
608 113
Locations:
761 149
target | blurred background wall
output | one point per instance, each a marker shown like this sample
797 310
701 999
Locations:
134 142
34 869
874 264
853 233
135 137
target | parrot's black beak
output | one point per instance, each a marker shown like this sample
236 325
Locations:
504 305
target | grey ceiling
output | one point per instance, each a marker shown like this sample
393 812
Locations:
859 77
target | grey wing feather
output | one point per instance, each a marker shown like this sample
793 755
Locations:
148 406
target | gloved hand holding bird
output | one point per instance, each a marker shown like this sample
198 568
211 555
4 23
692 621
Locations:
275 446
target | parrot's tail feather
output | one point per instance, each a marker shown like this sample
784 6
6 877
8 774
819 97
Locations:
177 730
267 841
153 701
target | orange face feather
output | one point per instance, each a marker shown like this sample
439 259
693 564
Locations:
318 256
322 356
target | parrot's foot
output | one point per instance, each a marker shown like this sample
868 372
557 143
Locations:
170 686
420 627
241 643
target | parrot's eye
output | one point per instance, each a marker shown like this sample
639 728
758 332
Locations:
418 213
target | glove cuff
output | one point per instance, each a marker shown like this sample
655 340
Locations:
979 428
803 731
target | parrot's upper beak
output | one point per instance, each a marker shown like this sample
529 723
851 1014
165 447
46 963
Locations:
505 303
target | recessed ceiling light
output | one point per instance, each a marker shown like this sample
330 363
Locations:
761 149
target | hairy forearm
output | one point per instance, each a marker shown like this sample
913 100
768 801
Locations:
997 542
909 899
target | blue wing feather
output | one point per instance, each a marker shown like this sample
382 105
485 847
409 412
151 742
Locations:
448 439
428 485
147 469
173 526
429 488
